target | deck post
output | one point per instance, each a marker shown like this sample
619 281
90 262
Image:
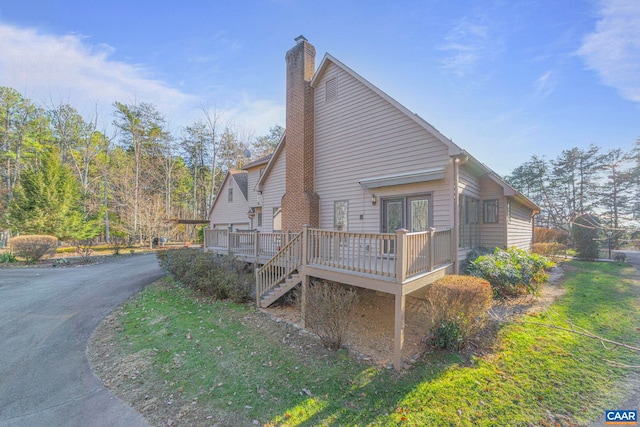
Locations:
304 243
398 340
305 279
432 248
303 301
401 253
229 240
256 244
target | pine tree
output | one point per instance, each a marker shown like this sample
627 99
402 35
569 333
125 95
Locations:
46 201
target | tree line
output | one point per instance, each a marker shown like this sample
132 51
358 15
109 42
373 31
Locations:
585 182
68 175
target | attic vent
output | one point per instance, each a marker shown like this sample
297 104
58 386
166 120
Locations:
331 89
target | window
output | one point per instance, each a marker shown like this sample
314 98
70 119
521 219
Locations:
469 222
230 195
410 212
259 216
277 219
419 215
509 210
490 211
340 215
331 89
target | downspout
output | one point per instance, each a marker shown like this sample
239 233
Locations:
533 229
458 160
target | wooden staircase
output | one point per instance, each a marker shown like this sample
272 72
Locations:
279 290
279 274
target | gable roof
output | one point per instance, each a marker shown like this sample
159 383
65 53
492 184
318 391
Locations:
258 162
453 148
240 177
508 190
272 161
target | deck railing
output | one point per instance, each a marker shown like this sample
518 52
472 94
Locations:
246 243
400 256
270 244
242 243
443 247
425 251
372 253
215 237
278 268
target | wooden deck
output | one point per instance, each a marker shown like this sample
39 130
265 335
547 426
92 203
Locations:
400 263
392 258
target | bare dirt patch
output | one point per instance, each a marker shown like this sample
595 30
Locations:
371 328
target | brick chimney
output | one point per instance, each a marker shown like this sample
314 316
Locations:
300 203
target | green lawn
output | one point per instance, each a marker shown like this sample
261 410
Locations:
214 358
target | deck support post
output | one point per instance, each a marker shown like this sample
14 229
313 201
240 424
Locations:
398 342
305 278
256 243
229 237
401 253
303 301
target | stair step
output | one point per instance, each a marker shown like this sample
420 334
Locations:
277 291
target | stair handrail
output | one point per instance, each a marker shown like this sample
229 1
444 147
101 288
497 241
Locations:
279 267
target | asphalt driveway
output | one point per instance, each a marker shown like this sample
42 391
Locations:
46 318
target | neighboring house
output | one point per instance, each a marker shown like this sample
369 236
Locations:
389 203
230 207
256 212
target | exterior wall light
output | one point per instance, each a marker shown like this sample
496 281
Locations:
374 199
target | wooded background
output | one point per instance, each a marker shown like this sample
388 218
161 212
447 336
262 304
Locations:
74 177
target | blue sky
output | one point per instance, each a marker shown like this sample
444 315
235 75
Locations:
503 79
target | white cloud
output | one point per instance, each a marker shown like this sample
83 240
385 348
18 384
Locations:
255 116
613 49
545 85
466 44
51 69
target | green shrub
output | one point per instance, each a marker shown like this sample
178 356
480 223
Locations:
33 247
448 335
472 255
458 305
328 307
585 232
7 257
215 276
512 272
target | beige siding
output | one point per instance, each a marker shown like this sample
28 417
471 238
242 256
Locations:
225 213
468 183
273 190
360 135
519 227
493 234
252 195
